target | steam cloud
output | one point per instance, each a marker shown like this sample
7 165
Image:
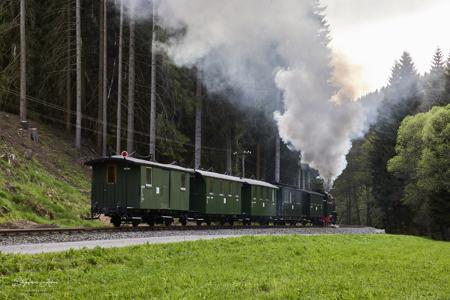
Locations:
262 47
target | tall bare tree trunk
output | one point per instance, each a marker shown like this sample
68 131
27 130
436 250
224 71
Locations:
308 179
229 162
278 145
69 67
78 68
131 77
23 63
198 123
258 161
105 79
119 83
100 76
153 89
299 172
277 158
264 163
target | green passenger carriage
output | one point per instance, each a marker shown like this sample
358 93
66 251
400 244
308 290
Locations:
216 197
132 190
259 202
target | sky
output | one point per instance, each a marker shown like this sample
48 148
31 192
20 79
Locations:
372 34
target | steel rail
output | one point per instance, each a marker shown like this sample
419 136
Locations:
42 231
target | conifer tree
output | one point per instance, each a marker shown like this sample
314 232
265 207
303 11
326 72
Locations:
78 71
152 142
401 99
446 98
198 122
435 82
23 62
105 80
68 105
119 83
101 20
131 79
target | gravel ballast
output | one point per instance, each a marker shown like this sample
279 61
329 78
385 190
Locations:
46 242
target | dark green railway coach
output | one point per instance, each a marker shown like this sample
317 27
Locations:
258 202
135 190
215 197
300 206
293 205
316 207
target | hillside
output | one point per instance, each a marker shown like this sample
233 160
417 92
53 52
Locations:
41 182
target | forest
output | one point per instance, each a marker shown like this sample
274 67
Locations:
86 67
397 176
228 129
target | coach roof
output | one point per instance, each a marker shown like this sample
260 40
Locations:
136 161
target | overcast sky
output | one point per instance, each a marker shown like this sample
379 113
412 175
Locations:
374 33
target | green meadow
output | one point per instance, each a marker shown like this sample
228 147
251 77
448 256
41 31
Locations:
279 267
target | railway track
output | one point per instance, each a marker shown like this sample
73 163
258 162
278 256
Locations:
41 231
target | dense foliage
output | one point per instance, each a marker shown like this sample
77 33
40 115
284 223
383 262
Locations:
423 162
397 176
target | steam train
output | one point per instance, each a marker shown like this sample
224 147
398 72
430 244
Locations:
131 190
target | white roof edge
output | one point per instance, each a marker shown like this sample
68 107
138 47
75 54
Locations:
260 183
154 164
219 176
234 178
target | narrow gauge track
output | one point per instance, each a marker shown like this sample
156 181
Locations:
38 231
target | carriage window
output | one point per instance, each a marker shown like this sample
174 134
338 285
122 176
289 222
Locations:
183 182
111 174
211 186
221 184
148 176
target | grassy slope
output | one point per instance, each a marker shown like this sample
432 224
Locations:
289 267
52 188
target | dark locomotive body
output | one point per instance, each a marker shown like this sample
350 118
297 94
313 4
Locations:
133 191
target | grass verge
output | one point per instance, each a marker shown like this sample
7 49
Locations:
281 267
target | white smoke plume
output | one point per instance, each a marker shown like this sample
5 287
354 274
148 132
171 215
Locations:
262 47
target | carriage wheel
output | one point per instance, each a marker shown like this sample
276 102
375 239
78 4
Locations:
116 221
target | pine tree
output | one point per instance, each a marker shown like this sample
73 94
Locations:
435 82
153 88
68 105
446 98
105 79
131 79
23 62
78 70
101 19
119 83
198 122
401 99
